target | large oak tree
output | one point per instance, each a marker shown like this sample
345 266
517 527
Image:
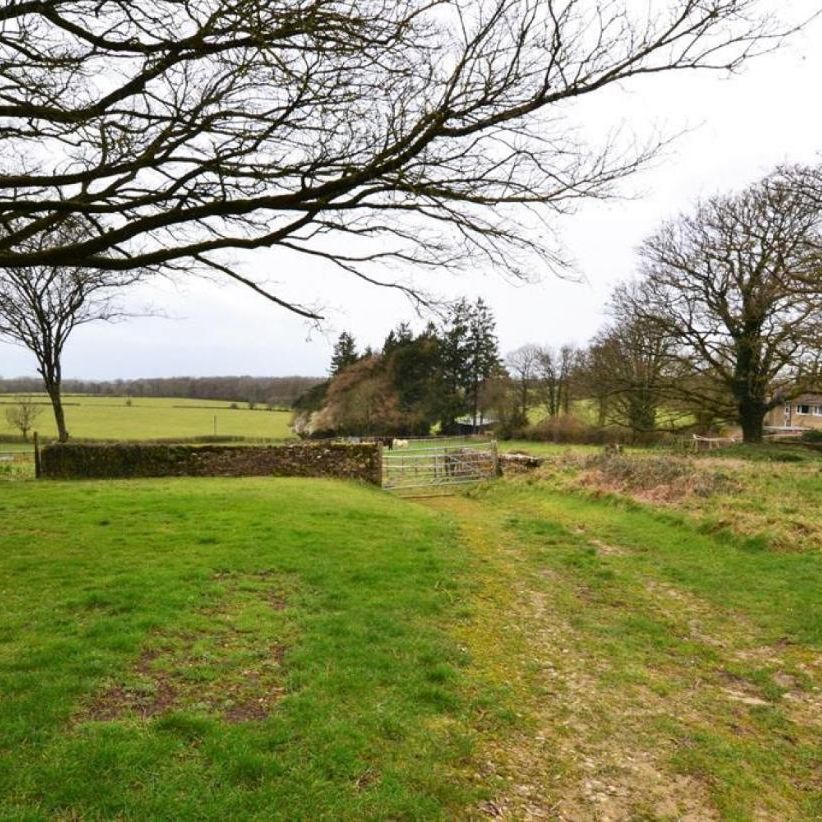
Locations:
738 285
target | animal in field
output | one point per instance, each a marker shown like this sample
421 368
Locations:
399 444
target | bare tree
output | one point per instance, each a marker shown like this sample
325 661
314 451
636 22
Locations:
523 365
23 414
434 133
41 305
555 370
631 365
738 283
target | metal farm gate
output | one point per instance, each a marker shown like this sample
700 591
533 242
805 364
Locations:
437 466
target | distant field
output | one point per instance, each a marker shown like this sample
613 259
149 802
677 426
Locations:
150 418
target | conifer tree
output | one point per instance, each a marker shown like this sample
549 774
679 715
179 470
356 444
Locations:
345 353
483 358
453 364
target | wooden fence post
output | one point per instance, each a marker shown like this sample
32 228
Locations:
36 456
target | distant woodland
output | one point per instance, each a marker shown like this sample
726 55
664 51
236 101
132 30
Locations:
272 391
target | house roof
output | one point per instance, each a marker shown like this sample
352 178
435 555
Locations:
480 422
807 399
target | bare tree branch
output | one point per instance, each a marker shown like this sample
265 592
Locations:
432 133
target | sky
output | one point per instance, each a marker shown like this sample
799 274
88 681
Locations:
735 130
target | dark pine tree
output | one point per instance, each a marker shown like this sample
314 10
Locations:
454 360
345 354
483 358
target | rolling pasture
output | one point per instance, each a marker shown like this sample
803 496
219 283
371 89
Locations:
228 649
587 641
145 418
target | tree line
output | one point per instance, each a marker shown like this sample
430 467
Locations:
722 323
279 392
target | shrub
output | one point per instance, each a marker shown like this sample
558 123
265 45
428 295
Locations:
570 429
814 435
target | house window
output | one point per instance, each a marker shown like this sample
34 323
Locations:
817 410
803 410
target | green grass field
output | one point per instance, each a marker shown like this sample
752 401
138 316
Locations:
111 418
228 650
297 649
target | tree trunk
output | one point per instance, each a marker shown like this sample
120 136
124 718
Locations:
55 395
51 370
602 410
749 386
525 400
752 419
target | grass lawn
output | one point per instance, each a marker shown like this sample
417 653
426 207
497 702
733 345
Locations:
221 649
547 449
297 649
154 418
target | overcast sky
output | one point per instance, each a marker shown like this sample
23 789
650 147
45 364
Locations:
739 129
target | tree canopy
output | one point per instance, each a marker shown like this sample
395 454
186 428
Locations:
429 133
738 285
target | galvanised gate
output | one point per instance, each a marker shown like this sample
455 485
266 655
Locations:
438 465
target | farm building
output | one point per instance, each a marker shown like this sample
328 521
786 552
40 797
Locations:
467 425
804 411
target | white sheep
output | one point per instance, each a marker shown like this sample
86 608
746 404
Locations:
399 444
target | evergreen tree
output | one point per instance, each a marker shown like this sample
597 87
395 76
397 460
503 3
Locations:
415 372
390 343
454 357
345 354
398 337
483 358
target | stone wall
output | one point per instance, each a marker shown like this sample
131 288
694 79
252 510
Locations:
122 460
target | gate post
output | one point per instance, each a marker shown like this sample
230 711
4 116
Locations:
36 456
495 451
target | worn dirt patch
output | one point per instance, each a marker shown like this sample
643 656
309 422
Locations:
607 550
231 666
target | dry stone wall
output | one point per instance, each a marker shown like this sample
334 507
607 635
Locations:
362 461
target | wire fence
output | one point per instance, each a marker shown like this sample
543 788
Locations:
17 460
